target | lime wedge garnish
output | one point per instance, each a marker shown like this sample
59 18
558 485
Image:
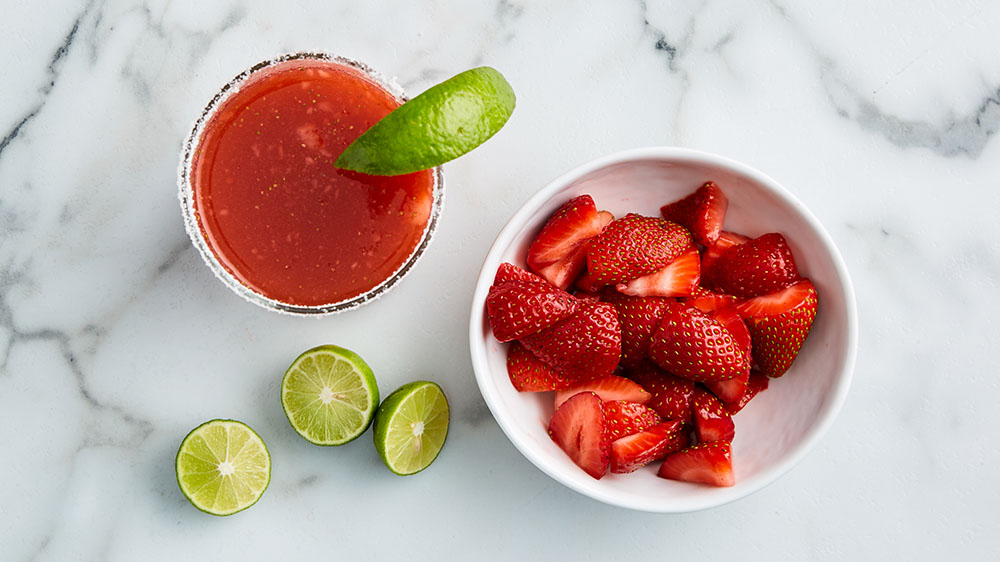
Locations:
329 395
437 126
411 426
223 467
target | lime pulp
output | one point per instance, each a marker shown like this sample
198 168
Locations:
411 427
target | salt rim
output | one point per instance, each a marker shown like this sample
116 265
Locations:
185 195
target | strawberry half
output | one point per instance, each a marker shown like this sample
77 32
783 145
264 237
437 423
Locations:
510 272
730 318
556 254
693 345
730 391
584 346
708 301
632 452
756 384
762 265
639 318
528 374
609 388
633 246
714 251
520 308
625 418
706 463
777 339
777 302
578 428
671 395
712 421
679 278
702 212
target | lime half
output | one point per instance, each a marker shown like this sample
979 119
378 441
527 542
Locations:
329 395
411 426
223 467
439 125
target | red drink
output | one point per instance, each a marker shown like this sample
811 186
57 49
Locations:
276 214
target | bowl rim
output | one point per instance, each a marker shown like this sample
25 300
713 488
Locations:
528 209
192 222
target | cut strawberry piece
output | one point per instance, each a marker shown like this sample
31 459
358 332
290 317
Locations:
609 388
639 318
510 272
712 420
778 339
520 308
693 345
579 430
708 301
713 252
587 282
587 296
671 395
756 384
556 253
632 452
679 278
730 391
528 374
777 302
633 246
584 346
702 212
707 463
730 318
625 418
760 266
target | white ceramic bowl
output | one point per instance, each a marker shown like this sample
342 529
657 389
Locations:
779 426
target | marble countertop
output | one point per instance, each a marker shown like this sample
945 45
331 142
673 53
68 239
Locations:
115 339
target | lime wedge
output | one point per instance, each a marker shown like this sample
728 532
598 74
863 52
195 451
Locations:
329 395
411 426
437 126
223 467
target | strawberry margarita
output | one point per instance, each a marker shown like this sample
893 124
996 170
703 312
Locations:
273 216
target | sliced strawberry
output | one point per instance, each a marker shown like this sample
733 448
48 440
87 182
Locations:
625 418
609 388
633 246
671 395
760 266
579 430
730 391
520 308
587 282
730 318
679 278
584 346
556 252
756 384
712 420
777 302
510 272
693 345
632 452
639 318
777 339
714 251
706 463
528 374
708 301
702 212
587 296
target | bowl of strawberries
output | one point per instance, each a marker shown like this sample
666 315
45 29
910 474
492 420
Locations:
664 329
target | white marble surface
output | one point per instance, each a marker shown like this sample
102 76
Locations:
115 339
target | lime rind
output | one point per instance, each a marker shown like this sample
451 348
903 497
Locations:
329 395
411 427
223 445
446 121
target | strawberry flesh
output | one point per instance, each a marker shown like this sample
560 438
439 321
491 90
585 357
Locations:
558 253
520 308
693 345
708 301
528 374
712 421
730 391
730 318
756 383
632 452
778 302
634 246
679 278
706 463
578 428
584 346
702 212
609 388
